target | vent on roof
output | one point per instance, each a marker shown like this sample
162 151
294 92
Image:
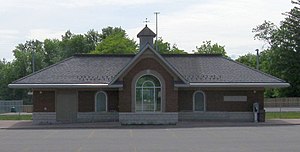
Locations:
94 78
203 77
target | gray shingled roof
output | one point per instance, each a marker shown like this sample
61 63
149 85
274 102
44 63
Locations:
146 31
99 69
80 70
215 68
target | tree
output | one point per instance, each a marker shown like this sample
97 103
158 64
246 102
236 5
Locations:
52 51
116 43
284 51
110 31
72 44
92 39
165 47
208 48
248 59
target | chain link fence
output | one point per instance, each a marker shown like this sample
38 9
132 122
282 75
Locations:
14 106
282 104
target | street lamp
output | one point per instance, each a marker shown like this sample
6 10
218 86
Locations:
257 59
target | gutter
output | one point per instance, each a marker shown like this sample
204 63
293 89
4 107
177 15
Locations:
104 85
264 85
23 86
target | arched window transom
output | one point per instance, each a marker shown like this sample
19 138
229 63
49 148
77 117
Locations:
148 94
100 102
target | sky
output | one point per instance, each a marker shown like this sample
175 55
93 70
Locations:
186 23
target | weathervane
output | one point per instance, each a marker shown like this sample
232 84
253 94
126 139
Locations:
146 21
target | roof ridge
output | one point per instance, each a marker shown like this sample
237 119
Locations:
48 67
261 72
190 55
102 55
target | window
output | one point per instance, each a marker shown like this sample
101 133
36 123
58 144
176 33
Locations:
100 102
148 94
199 101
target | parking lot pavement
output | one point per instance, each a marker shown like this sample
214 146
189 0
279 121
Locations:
231 139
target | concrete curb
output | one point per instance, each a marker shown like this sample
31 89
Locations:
116 125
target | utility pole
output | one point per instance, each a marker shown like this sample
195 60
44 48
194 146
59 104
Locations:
257 59
156 13
33 49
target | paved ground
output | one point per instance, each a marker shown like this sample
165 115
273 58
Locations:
206 139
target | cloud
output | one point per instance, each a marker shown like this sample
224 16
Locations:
42 34
8 34
86 3
228 23
37 4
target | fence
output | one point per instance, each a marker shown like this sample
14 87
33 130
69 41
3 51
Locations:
282 102
7 106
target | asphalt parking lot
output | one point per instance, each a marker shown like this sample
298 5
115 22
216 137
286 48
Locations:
206 139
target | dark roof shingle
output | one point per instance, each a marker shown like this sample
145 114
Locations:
101 69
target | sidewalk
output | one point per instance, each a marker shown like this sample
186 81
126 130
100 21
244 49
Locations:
27 124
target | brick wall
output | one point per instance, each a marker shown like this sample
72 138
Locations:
43 101
86 100
148 64
215 100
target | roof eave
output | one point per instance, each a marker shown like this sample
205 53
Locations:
263 85
42 86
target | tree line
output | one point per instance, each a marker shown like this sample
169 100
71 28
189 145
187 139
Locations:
34 55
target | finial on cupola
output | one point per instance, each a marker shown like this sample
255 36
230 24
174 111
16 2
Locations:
146 36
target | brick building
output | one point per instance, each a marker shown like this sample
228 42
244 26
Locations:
147 88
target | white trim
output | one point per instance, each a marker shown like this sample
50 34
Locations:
95 101
57 85
204 102
266 85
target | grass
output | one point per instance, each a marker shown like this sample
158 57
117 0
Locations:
282 115
15 117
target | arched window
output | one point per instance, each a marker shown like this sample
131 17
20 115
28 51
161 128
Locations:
100 102
148 94
199 101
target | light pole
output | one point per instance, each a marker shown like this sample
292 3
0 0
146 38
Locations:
257 59
156 13
33 59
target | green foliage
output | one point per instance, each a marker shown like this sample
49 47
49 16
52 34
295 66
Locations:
282 115
51 51
116 43
248 59
283 56
208 48
72 44
15 117
110 31
165 47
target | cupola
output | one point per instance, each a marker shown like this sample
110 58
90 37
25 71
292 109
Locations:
146 36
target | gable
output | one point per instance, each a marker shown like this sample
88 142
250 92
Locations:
149 53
